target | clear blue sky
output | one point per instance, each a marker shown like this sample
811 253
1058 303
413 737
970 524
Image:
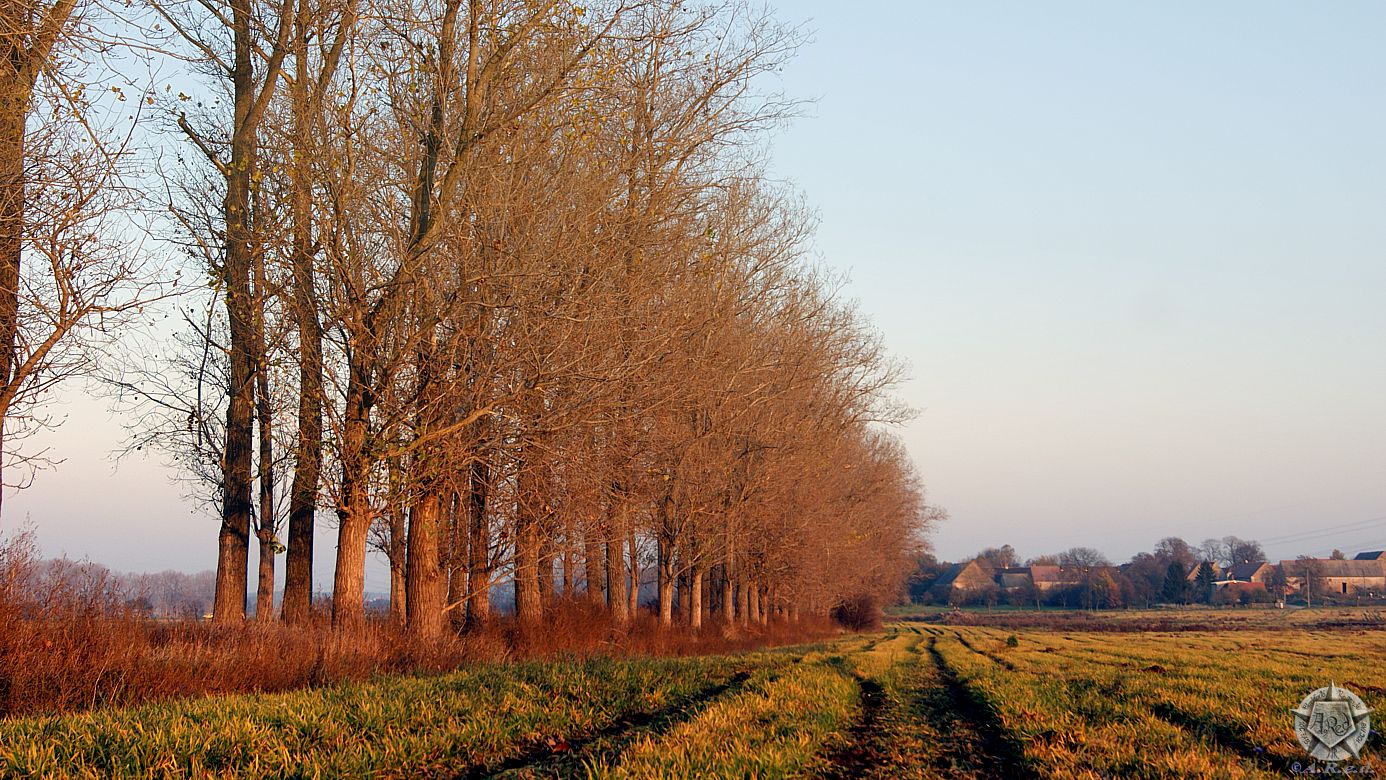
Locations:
1135 254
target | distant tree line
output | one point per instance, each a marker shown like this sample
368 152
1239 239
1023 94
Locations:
30 582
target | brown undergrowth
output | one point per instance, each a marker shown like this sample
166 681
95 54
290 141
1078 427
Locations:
74 645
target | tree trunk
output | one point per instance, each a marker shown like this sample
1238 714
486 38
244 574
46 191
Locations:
665 578
527 593
234 538
618 598
233 548
634 571
13 110
478 547
354 515
424 576
303 494
398 557
728 598
264 412
544 571
593 564
264 584
567 563
695 598
458 553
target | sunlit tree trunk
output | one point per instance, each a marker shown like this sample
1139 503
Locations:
354 514
424 581
728 594
617 583
666 581
695 597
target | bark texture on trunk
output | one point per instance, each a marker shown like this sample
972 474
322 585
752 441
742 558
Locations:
478 546
354 514
666 579
233 544
528 591
13 108
527 607
593 564
617 582
264 584
695 598
303 494
728 598
398 557
424 602
457 557
635 573
264 413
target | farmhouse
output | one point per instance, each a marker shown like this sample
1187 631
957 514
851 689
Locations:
1247 572
1014 578
965 579
1192 574
1048 577
1356 577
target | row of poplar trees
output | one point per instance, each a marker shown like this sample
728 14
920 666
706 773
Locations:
503 288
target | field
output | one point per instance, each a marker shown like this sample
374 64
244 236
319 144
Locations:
919 699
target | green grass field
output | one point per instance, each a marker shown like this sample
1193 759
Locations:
917 700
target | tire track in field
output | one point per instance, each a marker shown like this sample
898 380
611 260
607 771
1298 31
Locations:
558 757
1219 734
998 754
1007 665
863 750
1224 735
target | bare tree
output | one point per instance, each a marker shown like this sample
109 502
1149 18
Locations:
68 279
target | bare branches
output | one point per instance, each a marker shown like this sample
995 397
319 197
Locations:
515 300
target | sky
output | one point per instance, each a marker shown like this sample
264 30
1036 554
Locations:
1135 255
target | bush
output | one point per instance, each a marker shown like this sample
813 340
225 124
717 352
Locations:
859 613
1243 593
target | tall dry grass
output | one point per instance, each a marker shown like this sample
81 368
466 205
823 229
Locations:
73 643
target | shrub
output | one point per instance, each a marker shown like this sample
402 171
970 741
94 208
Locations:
859 613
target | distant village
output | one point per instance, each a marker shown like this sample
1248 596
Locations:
1228 571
